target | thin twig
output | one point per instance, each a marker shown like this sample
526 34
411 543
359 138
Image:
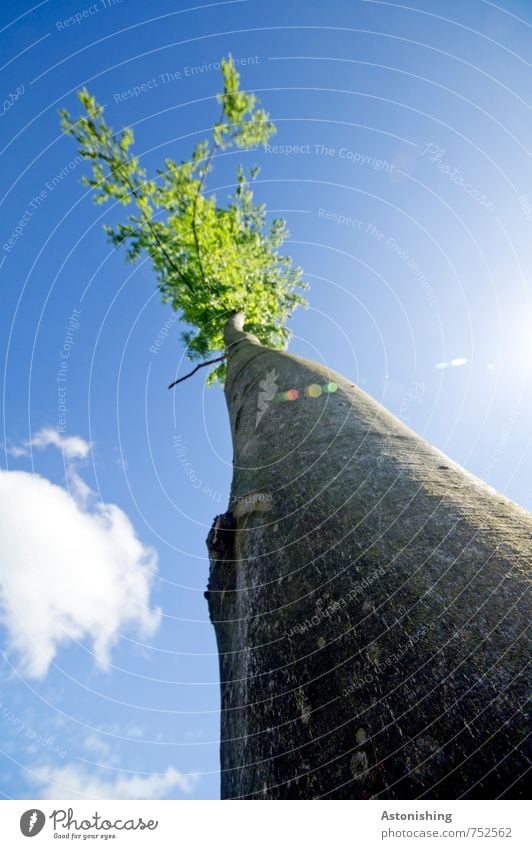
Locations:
154 233
108 158
207 363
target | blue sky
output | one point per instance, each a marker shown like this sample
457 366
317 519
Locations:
401 164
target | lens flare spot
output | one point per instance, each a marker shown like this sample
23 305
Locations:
330 387
292 395
314 391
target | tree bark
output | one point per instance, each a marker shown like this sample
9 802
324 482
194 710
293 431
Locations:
368 597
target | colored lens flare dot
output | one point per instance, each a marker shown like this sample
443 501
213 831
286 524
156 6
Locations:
330 387
292 395
314 391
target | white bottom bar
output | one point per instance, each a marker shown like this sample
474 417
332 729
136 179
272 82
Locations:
261 825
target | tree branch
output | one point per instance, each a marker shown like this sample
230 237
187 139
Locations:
154 233
196 196
201 365
129 183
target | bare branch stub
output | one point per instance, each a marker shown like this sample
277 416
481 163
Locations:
201 365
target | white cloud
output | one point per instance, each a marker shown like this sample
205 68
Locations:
135 731
458 361
96 745
194 735
69 571
73 447
73 782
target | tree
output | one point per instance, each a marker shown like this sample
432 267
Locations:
368 594
210 261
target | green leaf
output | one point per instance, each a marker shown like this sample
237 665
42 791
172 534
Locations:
209 260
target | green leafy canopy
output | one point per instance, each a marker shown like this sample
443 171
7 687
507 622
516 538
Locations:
210 260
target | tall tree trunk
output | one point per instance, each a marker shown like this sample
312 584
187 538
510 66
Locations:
368 598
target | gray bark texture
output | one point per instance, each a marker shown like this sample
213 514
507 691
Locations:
369 601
